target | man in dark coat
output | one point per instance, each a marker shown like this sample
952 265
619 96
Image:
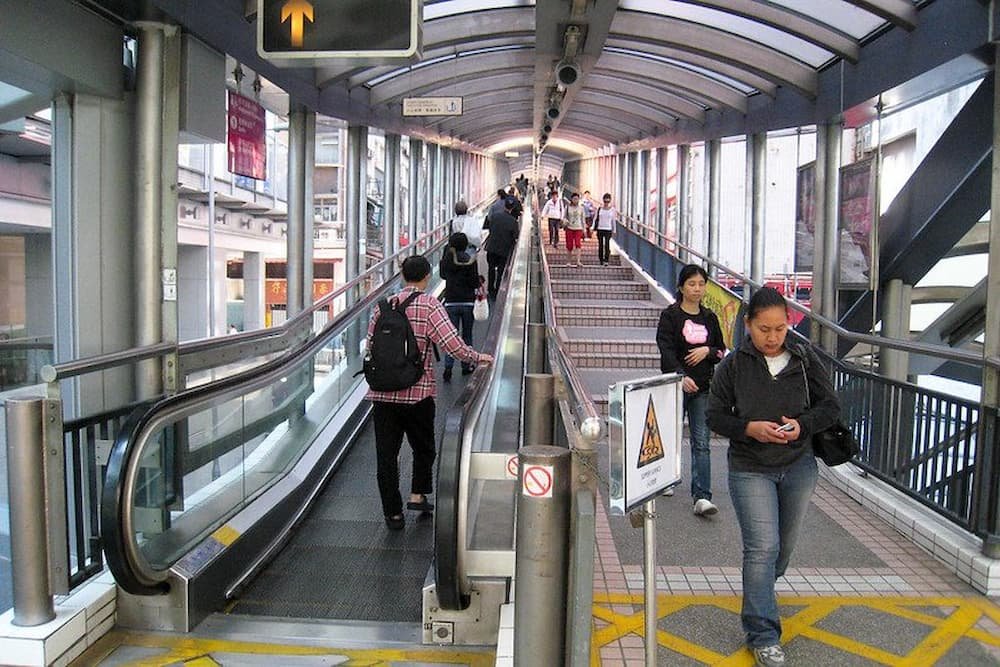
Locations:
500 245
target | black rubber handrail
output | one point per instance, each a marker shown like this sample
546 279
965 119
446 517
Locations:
448 574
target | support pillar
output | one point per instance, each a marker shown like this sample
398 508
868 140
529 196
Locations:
897 297
357 153
756 175
309 209
642 181
683 214
713 195
416 147
295 236
390 221
253 291
661 190
827 238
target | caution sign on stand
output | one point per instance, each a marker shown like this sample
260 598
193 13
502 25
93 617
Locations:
644 434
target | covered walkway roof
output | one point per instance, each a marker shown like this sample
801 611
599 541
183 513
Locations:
649 72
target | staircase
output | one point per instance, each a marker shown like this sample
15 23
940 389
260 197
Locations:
607 315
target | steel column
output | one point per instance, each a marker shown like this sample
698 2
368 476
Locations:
390 217
829 214
416 146
308 199
357 152
539 408
683 214
26 489
543 510
295 229
713 193
895 324
148 197
756 178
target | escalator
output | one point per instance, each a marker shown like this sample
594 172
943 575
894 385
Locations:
255 494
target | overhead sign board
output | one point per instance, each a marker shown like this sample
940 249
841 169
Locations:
305 30
246 145
432 106
644 434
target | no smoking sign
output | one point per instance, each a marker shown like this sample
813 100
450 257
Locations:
536 481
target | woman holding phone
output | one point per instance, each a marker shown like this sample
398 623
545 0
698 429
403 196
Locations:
768 397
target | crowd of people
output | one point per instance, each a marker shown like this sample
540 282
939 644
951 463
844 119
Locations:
768 397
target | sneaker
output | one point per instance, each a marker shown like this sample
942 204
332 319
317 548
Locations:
704 507
769 656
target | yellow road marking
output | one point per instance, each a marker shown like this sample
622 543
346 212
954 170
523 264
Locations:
943 633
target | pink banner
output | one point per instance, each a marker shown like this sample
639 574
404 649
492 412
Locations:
247 146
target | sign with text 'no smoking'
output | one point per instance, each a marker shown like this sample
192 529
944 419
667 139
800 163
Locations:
536 482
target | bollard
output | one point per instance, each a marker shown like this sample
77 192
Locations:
539 409
28 534
541 560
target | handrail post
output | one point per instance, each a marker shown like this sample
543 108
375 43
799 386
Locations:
543 508
26 486
539 408
537 348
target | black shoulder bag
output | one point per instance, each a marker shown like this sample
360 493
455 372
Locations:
836 444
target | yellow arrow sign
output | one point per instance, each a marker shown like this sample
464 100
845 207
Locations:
297 11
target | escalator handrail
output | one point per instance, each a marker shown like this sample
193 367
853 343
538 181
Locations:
122 552
451 512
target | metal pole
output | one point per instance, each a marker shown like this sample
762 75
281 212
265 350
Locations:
357 141
416 146
308 202
714 177
683 215
210 178
543 510
296 212
757 143
831 233
148 257
390 220
649 572
539 408
26 489
536 348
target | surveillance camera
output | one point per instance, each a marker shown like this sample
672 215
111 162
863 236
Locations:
567 72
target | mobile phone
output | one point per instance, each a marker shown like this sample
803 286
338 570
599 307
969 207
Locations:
786 427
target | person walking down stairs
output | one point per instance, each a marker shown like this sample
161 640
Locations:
573 224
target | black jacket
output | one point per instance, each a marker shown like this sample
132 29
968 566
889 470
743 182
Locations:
461 277
503 234
679 332
744 391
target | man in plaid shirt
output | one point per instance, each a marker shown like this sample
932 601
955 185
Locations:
410 411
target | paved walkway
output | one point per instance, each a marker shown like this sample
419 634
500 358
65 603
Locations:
856 592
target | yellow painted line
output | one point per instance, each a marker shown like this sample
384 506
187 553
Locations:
226 535
688 648
203 661
183 649
942 638
851 646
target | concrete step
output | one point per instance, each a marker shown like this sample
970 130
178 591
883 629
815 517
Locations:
593 289
561 257
650 363
589 272
613 347
564 310
625 319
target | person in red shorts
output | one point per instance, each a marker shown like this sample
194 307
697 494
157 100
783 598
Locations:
573 223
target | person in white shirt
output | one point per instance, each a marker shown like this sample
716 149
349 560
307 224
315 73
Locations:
553 212
604 223
468 225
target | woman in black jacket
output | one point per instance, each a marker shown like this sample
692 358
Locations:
690 342
768 397
461 277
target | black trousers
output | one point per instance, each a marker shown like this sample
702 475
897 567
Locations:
497 264
603 245
392 421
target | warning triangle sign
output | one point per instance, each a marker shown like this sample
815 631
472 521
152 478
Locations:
652 446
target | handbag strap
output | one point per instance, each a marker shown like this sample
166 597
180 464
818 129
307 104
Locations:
805 381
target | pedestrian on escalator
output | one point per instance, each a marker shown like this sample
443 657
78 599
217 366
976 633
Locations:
573 226
500 245
691 343
769 397
553 212
410 411
459 271
604 223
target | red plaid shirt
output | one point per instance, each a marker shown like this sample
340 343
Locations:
430 324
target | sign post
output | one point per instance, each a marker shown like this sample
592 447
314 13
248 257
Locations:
644 437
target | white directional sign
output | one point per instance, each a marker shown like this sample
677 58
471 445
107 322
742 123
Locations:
432 106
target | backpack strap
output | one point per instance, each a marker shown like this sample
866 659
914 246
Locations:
401 307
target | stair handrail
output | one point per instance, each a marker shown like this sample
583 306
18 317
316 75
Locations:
928 349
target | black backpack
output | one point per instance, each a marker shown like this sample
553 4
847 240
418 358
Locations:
393 361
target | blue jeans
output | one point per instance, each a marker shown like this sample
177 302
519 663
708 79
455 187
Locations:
695 406
770 508
461 317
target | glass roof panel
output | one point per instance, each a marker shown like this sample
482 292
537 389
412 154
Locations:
737 25
435 10
845 17
742 87
451 56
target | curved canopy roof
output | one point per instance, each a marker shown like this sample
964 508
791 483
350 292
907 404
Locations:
649 72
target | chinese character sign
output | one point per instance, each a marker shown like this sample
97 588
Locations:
247 146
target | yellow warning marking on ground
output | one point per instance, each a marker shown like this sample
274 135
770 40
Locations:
197 652
652 446
944 632
226 535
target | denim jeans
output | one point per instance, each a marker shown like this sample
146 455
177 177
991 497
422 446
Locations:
695 406
461 317
770 508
